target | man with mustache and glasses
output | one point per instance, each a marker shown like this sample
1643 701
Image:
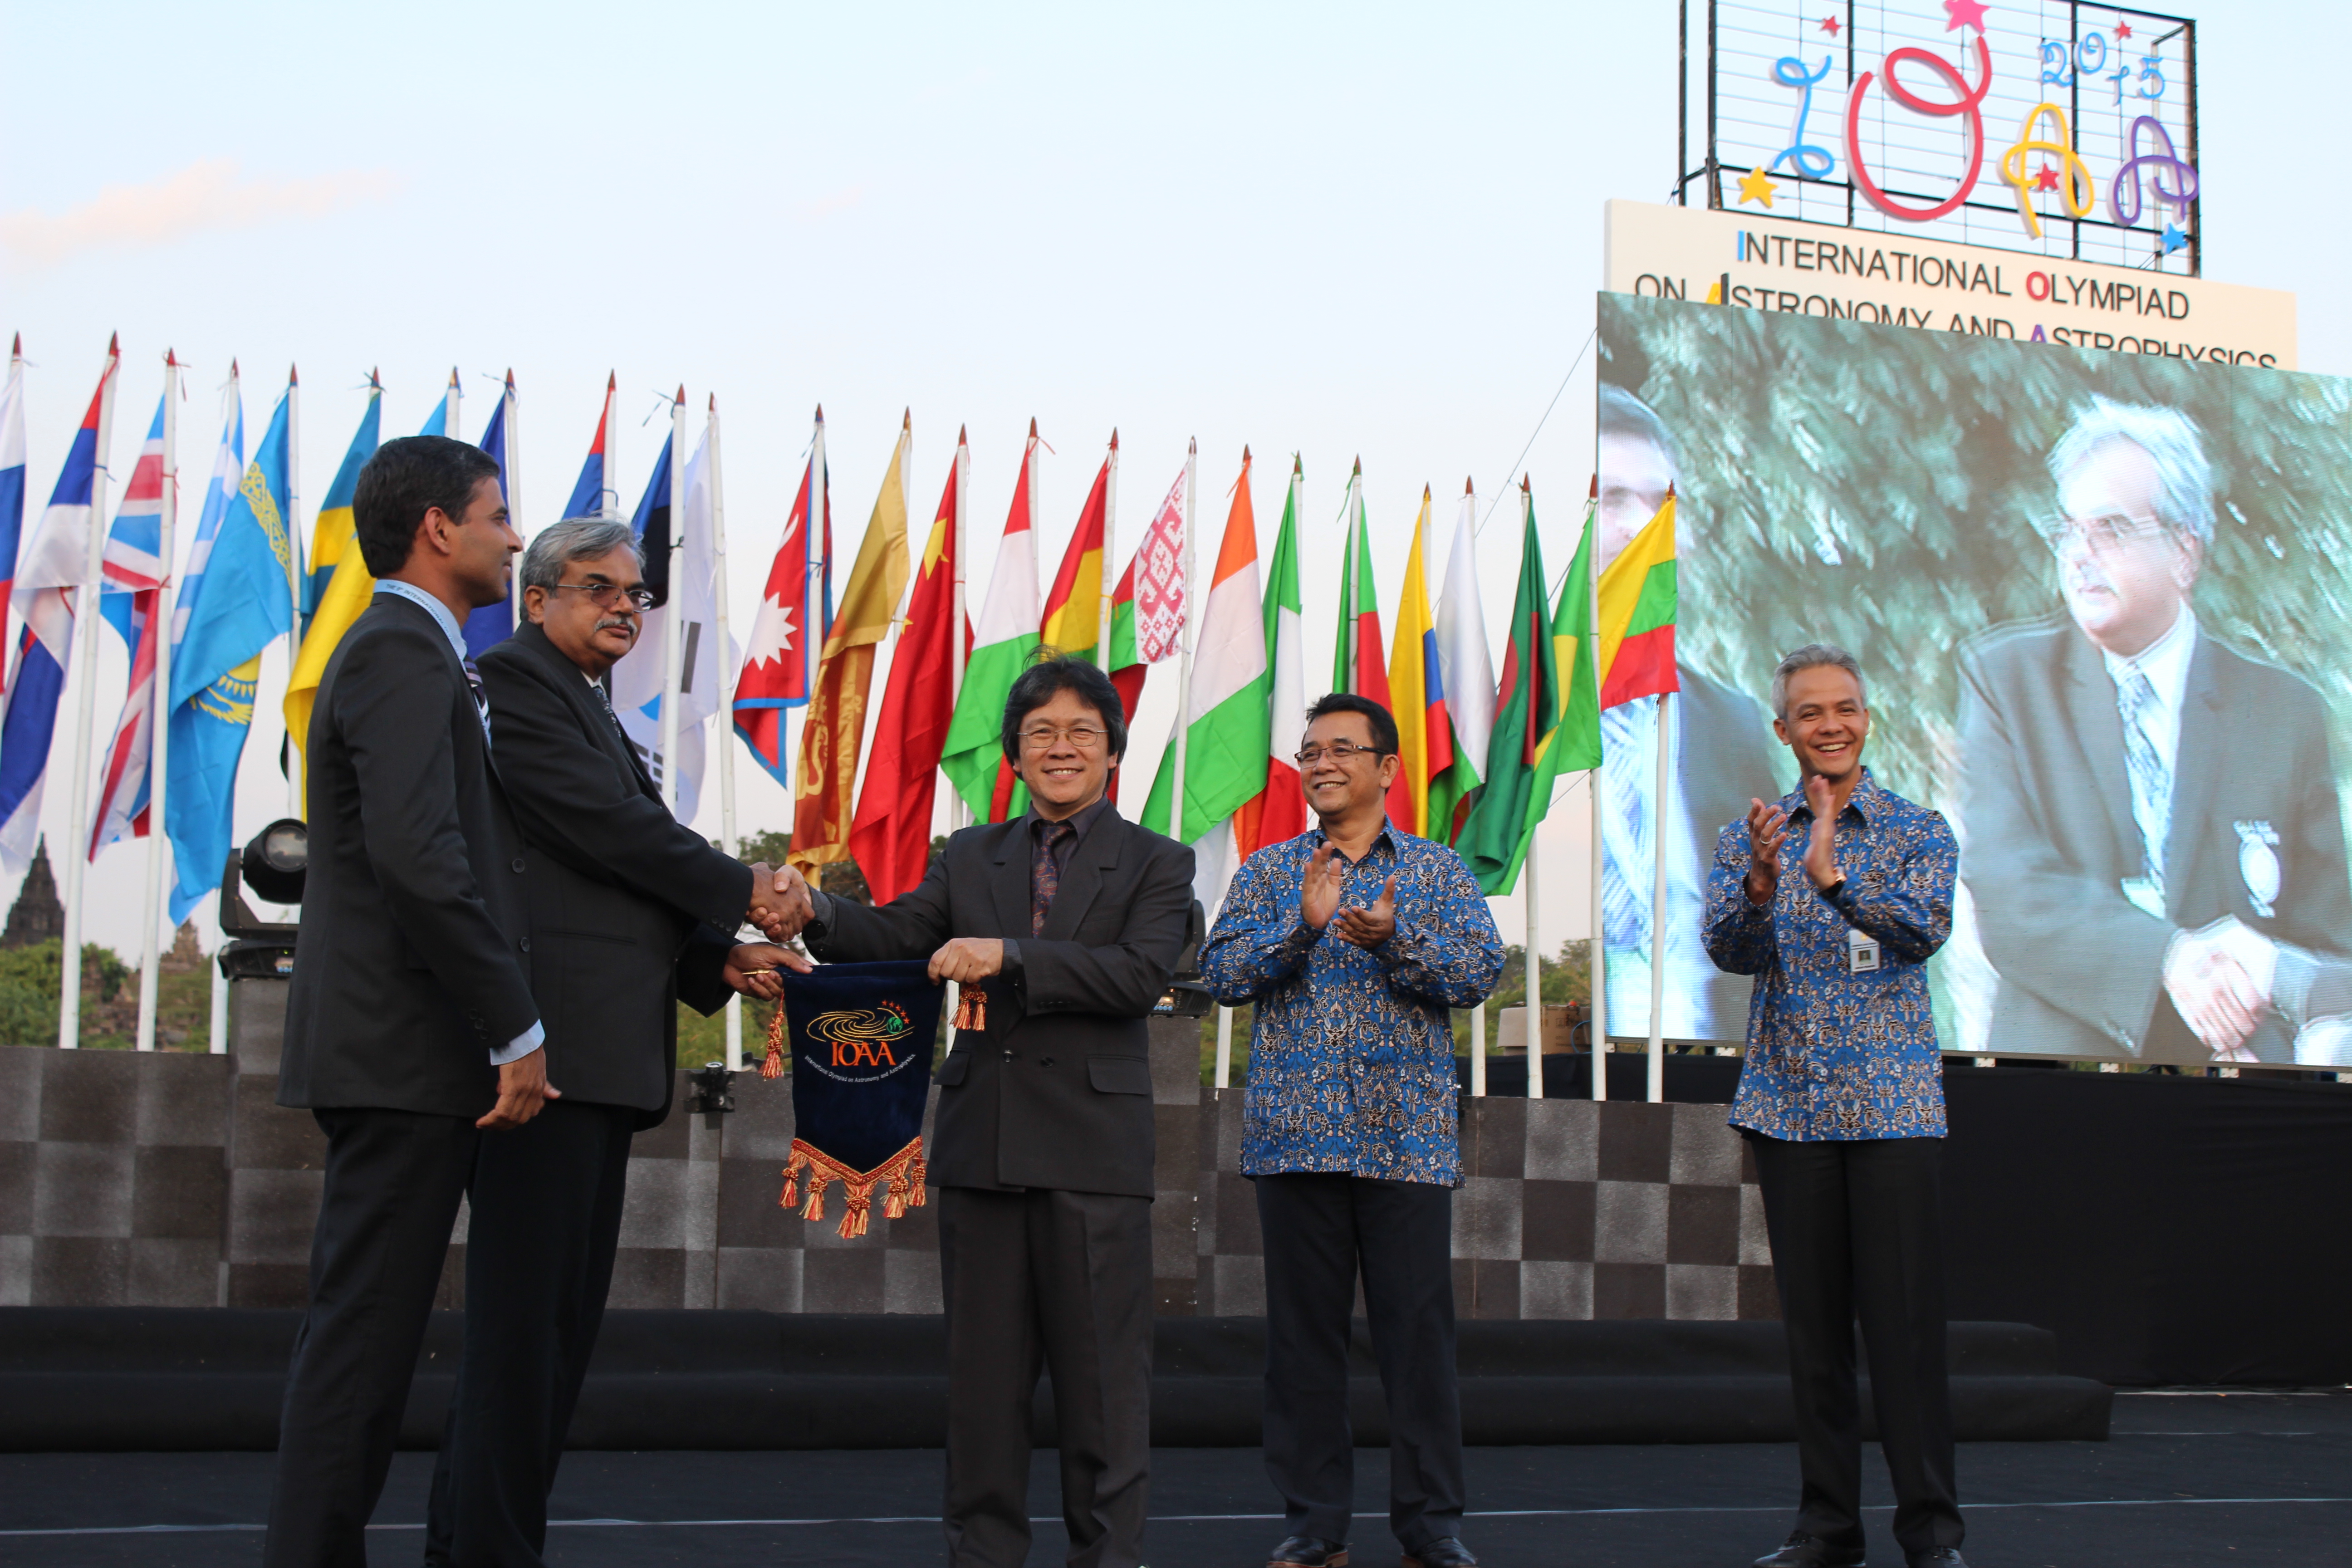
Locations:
2118 841
631 911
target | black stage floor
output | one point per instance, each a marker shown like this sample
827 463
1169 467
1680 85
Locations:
2255 1479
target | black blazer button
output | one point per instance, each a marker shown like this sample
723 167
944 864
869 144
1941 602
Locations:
526 945
518 862
1044 1061
1008 1056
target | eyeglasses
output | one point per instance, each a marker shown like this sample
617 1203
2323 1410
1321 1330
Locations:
607 595
1045 737
2103 535
1338 752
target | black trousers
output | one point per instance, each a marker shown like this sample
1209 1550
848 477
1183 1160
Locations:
1063 1281
1856 1230
1322 1230
394 1178
544 1222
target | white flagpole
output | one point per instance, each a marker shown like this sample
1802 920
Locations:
86 619
608 499
514 505
159 713
1534 958
217 1016
1184 658
727 837
1597 785
1534 1003
814 630
673 642
1658 909
1110 533
293 570
956 810
452 403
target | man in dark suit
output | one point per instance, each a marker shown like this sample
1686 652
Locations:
1721 739
1066 922
410 1027
2109 821
630 911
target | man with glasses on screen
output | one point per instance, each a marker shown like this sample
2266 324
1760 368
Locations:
2121 838
1722 751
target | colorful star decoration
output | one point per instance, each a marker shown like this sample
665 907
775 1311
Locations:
1830 26
1756 187
2045 178
1964 14
2122 29
2174 238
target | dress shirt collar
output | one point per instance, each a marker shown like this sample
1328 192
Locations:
1386 833
2165 661
1079 825
1864 803
432 606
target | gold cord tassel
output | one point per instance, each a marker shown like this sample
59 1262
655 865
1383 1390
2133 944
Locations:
773 1067
792 1169
971 1008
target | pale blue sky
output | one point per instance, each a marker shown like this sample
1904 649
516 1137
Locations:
1325 229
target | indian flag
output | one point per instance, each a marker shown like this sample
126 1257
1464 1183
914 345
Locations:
1227 733
1004 636
1637 613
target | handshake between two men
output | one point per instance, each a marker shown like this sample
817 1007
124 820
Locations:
784 905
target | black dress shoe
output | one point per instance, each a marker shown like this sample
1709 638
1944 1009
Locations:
1445 1553
1803 1551
1310 1551
1935 1557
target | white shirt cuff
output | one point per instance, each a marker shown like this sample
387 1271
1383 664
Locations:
522 1045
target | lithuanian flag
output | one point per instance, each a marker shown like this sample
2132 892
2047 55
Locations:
1637 613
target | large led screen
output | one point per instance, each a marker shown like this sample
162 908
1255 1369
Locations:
2102 602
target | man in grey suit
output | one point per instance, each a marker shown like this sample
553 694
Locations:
2109 825
1723 753
1064 927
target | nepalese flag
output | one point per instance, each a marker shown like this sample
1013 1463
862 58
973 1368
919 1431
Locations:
12 475
779 656
491 624
131 573
588 494
1147 610
1638 603
1417 697
56 563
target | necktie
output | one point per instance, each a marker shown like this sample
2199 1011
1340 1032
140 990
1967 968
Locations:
606 702
2151 775
1045 875
481 698
1630 765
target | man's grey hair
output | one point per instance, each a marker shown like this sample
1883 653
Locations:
1813 655
574 539
2184 478
1623 413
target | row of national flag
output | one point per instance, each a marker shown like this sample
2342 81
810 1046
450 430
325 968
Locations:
1482 751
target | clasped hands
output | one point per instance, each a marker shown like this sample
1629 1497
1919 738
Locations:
1325 882
780 907
1768 830
2220 978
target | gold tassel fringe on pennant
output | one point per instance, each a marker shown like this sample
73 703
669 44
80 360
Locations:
901 1176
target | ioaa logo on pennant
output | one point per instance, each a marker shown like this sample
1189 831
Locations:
2258 863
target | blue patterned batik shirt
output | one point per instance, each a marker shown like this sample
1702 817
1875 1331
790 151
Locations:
1832 1053
1352 1055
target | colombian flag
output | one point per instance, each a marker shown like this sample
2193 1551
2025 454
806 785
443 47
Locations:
1637 615
1417 694
1073 618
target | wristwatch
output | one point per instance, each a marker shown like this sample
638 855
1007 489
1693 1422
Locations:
1834 888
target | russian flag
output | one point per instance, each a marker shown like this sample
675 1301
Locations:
132 571
12 470
56 559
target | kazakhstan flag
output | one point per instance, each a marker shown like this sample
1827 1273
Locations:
239 596
339 586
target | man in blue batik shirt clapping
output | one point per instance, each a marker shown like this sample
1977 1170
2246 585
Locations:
1835 899
1356 940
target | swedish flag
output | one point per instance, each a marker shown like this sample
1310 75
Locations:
239 595
339 584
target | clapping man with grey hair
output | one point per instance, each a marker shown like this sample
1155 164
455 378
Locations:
2123 839
630 912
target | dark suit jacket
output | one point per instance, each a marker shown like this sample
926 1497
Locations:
630 908
2048 835
412 964
1056 1092
1729 755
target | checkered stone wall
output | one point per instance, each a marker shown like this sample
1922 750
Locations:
1567 1209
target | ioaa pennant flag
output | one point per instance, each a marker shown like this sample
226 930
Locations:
860 1037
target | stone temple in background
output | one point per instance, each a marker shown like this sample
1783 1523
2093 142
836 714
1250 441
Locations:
37 915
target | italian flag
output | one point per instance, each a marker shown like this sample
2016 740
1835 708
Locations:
1547 717
1227 721
1358 667
1637 613
1003 637
1279 812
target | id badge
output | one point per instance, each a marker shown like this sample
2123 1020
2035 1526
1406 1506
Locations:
1861 951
